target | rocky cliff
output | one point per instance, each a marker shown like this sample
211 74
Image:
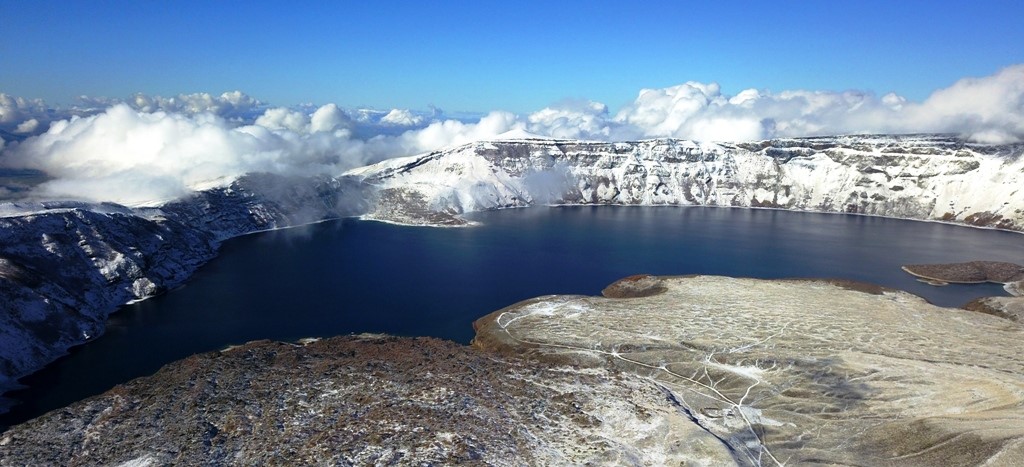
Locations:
923 177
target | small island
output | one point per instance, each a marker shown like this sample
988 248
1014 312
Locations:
971 272
1011 275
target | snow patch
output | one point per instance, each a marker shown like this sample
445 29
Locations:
145 460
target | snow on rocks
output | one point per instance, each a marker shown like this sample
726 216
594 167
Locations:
924 177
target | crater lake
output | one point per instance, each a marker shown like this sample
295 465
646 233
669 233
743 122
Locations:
352 276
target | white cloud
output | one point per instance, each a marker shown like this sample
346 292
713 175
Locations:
156 148
573 120
701 111
745 98
28 126
725 129
281 118
893 101
664 112
401 117
134 157
18 109
329 118
234 105
453 132
368 115
16 113
988 109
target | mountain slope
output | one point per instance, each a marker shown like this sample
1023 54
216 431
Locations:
915 177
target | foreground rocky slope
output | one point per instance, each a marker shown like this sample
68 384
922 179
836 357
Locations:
661 371
797 372
367 400
915 177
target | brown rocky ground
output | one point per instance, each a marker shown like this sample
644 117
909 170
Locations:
1011 308
365 400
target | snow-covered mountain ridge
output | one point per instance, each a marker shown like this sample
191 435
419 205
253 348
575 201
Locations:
926 177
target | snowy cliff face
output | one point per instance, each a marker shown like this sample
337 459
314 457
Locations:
916 177
65 267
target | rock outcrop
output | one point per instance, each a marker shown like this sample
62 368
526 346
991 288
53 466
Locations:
1011 308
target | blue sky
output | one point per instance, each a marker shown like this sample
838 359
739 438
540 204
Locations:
563 69
479 56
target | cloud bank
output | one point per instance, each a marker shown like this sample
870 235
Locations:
135 157
18 109
144 149
989 109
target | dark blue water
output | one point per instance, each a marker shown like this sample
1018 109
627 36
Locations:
352 276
